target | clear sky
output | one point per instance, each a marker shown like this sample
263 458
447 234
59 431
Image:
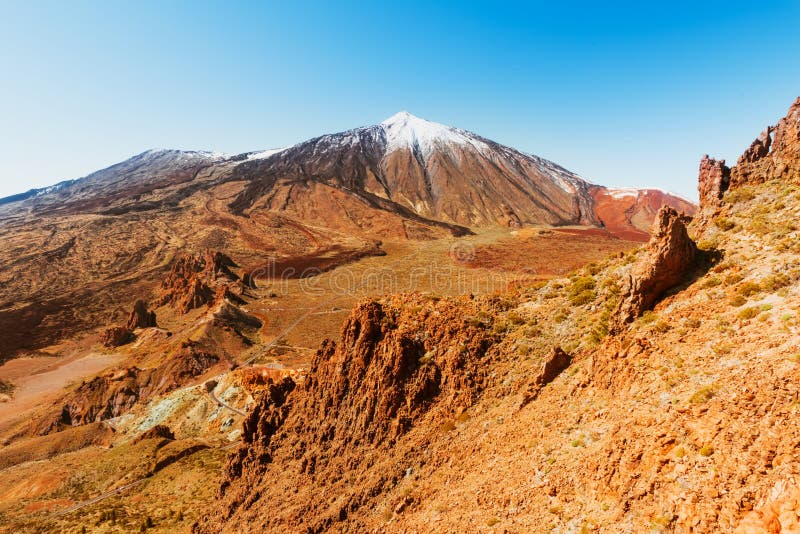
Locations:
626 94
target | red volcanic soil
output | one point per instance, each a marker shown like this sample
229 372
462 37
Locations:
549 252
628 213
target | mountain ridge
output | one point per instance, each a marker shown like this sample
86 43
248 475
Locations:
414 163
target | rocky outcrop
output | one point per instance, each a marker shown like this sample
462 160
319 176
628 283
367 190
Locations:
258 428
194 280
157 432
669 257
774 155
712 182
116 336
555 362
141 317
397 364
115 392
778 514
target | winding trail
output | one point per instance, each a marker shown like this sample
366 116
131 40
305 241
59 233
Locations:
97 499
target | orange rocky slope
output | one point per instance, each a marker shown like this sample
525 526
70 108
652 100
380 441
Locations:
421 418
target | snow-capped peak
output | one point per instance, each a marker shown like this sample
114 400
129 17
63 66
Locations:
405 131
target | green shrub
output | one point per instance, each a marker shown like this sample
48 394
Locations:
749 313
742 194
583 298
725 224
706 450
733 278
515 318
774 282
760 225
648 317
702 395
748 289
708 244
581 285
737 300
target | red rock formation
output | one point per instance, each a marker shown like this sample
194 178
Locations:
713 180
670 255
392 369
116 392
192 279
259 427
116 336
141 317
774 155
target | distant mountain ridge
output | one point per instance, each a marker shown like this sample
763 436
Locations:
405 167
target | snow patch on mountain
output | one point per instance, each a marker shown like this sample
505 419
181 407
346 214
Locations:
405 131
264 154
623 192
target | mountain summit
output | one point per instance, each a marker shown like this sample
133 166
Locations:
405 131
409 164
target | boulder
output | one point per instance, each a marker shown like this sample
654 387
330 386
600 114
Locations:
116 336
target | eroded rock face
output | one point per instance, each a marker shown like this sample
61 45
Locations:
141 317
712 182
261 424
114 393
116 336
777 514
669 257
354 410
194 280
774 155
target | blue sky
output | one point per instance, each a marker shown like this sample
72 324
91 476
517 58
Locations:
628 94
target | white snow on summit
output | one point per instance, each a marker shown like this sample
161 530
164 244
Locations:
405 131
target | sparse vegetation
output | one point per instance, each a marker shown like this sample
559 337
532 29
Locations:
706 450
581 292
737 300
725 224
749 313
775 282
740 194
748 289
702 395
